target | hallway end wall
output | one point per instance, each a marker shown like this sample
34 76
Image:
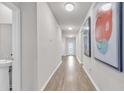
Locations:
104 76
65 41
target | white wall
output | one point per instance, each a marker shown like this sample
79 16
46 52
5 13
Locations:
49 43
5 41
5 15
29 45
78 46
104 76
63 45
36 73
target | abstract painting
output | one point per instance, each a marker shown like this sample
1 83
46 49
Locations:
107 31
103 31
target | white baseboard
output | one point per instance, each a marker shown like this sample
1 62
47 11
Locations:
96 87
78 60
43 87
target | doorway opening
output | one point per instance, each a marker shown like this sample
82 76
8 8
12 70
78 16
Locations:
71 47
15 47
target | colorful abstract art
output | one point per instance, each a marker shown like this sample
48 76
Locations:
107 32
103 30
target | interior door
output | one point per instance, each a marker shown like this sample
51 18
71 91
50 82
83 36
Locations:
71 46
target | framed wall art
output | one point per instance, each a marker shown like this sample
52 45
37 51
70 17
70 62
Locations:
107 34
87 37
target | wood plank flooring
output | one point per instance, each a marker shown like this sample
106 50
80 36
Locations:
70 76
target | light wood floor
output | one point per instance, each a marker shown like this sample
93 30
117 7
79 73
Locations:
70 76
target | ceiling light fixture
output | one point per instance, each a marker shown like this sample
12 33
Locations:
69 6
70 28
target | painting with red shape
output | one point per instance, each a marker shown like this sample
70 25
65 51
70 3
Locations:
103 30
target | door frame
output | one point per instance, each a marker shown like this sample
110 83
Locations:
16 46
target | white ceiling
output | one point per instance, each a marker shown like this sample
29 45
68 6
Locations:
67 19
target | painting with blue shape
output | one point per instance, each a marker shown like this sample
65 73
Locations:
107 34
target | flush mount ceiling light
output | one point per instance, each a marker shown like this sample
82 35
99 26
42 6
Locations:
69 6
70 28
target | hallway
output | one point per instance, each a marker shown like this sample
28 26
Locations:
69 76
62 46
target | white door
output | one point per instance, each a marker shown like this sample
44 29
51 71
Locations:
71 46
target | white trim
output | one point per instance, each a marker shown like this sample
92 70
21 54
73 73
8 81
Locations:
78 60
16 46
43 87
89 76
